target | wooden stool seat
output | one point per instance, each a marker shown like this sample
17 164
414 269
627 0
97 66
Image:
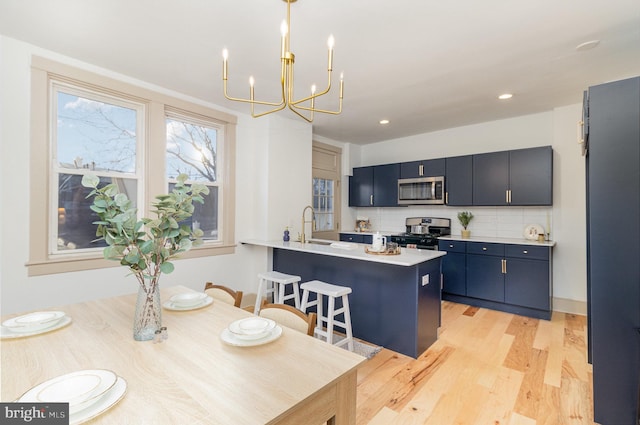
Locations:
274 282
324 289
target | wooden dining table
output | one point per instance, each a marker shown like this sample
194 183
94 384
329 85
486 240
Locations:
192 377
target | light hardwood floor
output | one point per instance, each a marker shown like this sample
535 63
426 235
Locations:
487 368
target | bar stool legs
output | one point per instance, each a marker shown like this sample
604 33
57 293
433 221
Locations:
331 292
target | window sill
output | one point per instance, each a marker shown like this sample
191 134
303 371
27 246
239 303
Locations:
76 263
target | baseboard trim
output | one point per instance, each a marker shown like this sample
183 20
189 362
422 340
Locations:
565 305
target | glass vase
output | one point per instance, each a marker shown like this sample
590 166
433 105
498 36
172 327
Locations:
148 315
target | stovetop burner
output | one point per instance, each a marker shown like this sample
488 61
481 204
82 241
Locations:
428 239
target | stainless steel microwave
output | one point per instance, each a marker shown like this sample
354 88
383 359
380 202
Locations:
421 190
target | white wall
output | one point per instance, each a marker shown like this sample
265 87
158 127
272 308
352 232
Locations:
566 218
273 181
271 146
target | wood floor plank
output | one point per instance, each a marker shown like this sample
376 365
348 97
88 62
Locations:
555 328
487 368
531 391
384 417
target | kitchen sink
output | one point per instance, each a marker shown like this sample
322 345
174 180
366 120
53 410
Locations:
319 242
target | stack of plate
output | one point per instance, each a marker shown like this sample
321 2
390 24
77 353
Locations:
251 331
88 392
188 301
34 323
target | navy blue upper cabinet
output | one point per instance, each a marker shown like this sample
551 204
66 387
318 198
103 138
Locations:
491 178
459 180
361 187
531 176
517 177
425 168
375 186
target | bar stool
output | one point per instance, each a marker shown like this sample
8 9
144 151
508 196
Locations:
331 292
274 283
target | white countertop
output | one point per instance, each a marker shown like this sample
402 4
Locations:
407 257
513 241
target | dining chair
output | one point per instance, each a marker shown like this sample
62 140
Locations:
224 294
289 316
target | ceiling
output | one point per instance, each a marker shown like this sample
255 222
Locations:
423 65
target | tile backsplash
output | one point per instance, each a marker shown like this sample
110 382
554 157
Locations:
500 222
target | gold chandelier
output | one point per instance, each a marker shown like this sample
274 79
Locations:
287 60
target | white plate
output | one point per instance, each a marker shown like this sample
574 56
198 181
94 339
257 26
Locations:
108 400
79 389
532 231
251 326
228 337
188 299
172 306
6 333
33 321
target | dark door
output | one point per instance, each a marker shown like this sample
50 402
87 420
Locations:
459 180
614 249
526 283
385 185
484 277
361 187
531 176
490 178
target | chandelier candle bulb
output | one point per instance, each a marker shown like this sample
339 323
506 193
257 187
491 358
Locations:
284 30
225 56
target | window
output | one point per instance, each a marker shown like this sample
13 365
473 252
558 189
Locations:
326 161
192 149
139 139
92 134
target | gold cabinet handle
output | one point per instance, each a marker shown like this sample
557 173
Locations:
504 266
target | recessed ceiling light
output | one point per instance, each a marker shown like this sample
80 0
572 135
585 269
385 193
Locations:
505 96
384 122
587 45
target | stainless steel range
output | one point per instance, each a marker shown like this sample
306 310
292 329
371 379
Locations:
422 232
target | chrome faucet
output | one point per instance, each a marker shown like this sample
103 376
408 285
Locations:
312 221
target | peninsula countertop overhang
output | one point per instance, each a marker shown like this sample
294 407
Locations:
407 257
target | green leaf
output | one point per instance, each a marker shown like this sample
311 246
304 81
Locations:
90 180
166 267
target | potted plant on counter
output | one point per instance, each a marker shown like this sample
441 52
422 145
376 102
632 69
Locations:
465 218
146 245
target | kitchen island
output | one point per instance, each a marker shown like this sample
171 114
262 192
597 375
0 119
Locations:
395 301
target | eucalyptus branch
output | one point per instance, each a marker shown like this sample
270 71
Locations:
145 245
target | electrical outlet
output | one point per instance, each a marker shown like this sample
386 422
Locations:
425 280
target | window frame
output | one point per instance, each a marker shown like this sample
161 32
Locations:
156 107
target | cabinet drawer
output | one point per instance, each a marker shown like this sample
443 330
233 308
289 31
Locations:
485 248
349 237
527 251
452 246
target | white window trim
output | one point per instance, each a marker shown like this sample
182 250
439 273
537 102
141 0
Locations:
43 71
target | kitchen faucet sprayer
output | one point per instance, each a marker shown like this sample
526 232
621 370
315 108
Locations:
312 221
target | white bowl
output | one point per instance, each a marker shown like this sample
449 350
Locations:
188 299
252 326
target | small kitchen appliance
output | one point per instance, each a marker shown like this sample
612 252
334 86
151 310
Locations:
422 232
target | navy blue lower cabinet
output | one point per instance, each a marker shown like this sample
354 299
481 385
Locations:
454 267
507 277
390 306
485 279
